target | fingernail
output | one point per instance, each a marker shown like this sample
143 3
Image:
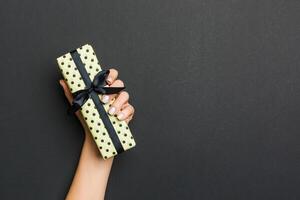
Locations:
105 99
120 116
111 110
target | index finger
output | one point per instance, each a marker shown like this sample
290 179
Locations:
112 76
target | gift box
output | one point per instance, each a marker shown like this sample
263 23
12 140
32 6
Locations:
86 80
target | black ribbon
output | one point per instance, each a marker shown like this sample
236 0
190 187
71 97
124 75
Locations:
93 88
97 86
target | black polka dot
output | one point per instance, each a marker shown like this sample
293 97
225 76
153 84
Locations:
91 128
130 144
89 104
87 111
103 133
98 124
126 127
94 114
95 138
114 122
125 135
108 143
62 63
91 67
85 57
97 131
85 118
105 157
92 60
64 56
78 85
107 150
74 75
69 66
119 132
114 153
123 142
87 50
100 147
67 73
71 59
102 140
120 125
92 121
72 82
97 69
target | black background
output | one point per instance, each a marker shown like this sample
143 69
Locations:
215 84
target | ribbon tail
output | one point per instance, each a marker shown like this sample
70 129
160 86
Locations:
109 90
75 94
74 107
80 97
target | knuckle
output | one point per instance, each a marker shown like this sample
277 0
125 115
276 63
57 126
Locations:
119 83
125 94
113 71
132 108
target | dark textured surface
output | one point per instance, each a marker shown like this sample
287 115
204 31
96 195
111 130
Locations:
216 86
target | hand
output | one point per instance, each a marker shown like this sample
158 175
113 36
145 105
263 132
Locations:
92 173
120 107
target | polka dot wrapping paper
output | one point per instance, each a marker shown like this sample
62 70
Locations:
100 131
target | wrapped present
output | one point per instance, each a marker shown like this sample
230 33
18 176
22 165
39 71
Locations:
86 80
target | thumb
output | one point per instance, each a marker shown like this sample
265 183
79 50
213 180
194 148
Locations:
69 96
66 89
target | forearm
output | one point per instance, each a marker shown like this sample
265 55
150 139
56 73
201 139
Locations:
91 175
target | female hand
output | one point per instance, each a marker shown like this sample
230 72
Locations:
92 173
120 107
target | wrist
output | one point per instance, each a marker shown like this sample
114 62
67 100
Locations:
92 172
90 145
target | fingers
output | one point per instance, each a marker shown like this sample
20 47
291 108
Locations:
112 76
126 112
107 98
120 107
66 89
116 106
129 119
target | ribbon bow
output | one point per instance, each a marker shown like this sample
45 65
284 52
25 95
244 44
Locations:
97 86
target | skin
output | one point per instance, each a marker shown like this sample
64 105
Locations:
90 179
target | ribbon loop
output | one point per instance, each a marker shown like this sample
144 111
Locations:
100 78
97 86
